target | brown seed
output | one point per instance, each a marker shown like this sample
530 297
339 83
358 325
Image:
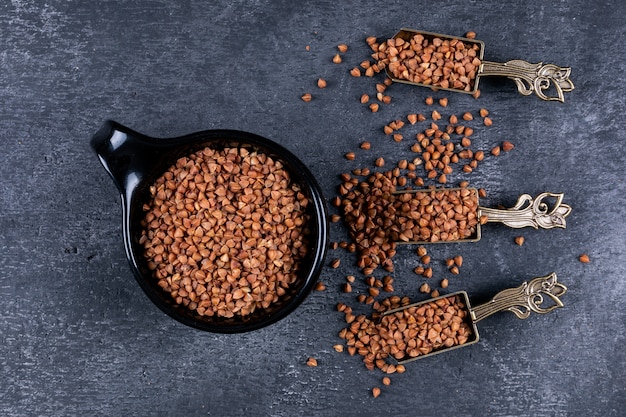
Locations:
458 261
374 107
355 72
306 97
375 392
454 270
444 283
320 286
434 293
366 65
338 348
482 193
453 119
335 263
443 102
335 218
584 258
350 278
425 259
429 101
364 98
347 287
366 146
412 118
495 151
484 112
507 146
421 251
425 288
380 161
470 35
487 121
386 381
468 116
519 240
337 59
476 94
350 156
312 362
428 272
321 83
342 47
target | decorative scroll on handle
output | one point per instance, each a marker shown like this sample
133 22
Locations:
528 212
527 298
532 78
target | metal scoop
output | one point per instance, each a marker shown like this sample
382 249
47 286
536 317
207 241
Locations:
527 212
521 301
530 78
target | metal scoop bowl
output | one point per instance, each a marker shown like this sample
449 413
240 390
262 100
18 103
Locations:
527 212
538 78
449 322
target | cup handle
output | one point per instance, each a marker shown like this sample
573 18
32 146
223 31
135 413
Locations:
126 155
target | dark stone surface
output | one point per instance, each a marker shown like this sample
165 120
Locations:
77 335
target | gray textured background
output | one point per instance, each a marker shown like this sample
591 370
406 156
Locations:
77 335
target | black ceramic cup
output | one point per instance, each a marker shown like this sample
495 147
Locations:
135 161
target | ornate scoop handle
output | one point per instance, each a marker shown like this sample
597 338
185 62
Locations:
531 212
532 78
527 298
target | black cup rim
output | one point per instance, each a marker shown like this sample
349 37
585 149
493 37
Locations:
134 161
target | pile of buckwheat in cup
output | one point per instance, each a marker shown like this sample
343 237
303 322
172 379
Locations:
224 231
